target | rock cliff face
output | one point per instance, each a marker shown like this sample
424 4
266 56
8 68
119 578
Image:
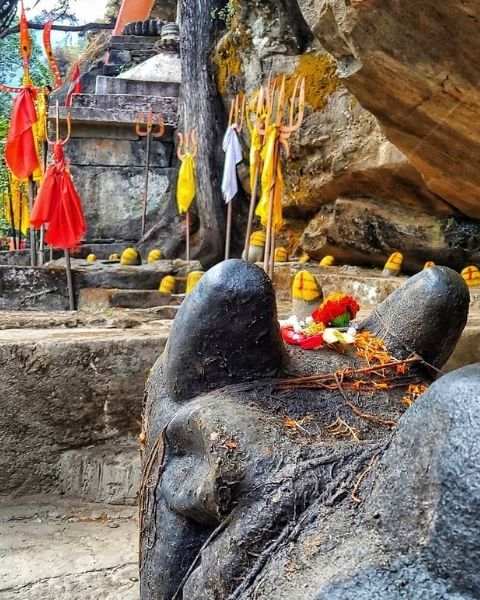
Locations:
390 108
415 66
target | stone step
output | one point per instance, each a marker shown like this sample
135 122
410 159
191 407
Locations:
97 299
44 288
106 111
67 389
108 474
136 89
132 42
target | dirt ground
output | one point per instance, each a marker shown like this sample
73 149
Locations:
56 549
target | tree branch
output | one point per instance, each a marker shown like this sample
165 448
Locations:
71 28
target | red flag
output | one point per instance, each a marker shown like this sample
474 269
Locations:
75 86
20 151
59 205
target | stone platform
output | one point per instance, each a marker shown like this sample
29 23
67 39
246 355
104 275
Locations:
44 288
366 285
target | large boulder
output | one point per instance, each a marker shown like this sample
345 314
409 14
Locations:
362 230
415 66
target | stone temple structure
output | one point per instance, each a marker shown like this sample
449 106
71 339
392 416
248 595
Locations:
138 68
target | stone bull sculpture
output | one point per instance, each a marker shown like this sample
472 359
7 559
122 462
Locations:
257 488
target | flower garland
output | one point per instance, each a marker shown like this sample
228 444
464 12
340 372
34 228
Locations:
336 311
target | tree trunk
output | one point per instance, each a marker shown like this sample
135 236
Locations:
201 109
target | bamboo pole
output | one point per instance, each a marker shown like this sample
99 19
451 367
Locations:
187 234
228 234
33 237
251 212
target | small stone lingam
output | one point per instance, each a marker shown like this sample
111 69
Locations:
471 275
274 472
393 266
130 257
168 285
155 255
327 261
192 279
281 254
306 294
256 249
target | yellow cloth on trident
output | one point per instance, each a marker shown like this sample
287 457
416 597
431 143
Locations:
40 127
17 213
271 178
255 154
186 184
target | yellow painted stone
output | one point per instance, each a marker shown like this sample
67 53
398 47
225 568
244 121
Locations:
168 285
327 261
114 257
304 258
281 255
155 255
394 263
305 287
428 264
91 258
258 239
130 257
192 280
471 275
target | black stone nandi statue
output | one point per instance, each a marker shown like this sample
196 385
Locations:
259 484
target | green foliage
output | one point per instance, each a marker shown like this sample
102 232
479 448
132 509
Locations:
224 14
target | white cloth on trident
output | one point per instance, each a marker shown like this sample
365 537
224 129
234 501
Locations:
233 156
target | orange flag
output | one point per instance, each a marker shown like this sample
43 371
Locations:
20 150
47 44
25 43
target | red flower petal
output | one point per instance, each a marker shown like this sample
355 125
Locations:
313 341
291 337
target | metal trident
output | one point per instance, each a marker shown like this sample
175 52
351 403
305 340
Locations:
187 144
147 119
284 132
236 119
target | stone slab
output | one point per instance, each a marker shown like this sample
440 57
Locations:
366 285
52 548
163 67
68 389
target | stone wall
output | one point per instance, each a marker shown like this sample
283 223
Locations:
108 170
